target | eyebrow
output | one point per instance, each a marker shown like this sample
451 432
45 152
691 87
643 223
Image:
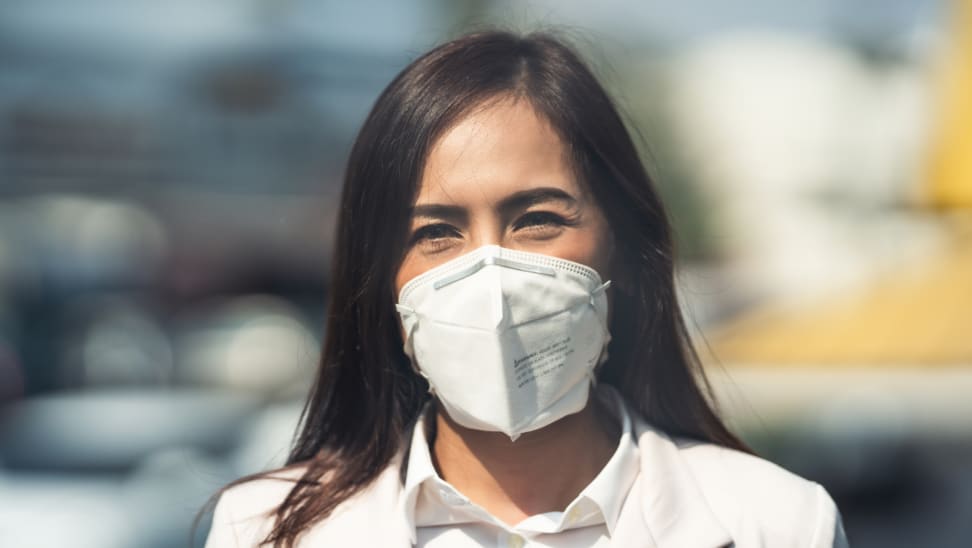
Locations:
514 202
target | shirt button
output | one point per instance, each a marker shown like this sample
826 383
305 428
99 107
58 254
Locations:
574 515
516 541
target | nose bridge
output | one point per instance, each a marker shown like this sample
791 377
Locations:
497 301
485 227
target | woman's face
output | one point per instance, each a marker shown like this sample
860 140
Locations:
501 176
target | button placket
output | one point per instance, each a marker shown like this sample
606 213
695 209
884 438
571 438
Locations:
513 540
575 514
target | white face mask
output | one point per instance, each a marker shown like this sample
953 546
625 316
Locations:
508 340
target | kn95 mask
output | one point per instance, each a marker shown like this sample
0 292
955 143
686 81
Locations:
508 340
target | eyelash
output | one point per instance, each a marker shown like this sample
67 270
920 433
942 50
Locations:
427 232
534 220
546 218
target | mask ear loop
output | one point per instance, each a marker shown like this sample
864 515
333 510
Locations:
591 373
409 349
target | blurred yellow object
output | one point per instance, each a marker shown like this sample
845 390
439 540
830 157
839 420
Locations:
950 183
918 317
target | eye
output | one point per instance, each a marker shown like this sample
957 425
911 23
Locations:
539 219
432 233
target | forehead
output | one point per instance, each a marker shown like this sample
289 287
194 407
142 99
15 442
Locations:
497 149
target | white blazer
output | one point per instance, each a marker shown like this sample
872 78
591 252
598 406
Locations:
693 495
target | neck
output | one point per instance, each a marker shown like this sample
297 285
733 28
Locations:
514 480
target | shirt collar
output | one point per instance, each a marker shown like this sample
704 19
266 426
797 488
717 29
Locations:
419 469
673 505
610 487
607 491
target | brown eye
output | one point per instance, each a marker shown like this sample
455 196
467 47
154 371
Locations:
539 219
434 236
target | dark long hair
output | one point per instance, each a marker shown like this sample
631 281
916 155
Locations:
366 393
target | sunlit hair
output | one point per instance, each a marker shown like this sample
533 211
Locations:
366 393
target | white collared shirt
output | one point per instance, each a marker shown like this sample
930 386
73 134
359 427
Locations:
680 493
440 516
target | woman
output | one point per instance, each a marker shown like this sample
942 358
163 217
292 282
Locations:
505 361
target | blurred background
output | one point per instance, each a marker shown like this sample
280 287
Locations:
168 179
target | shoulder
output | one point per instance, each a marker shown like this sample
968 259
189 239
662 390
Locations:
244 512
756 499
